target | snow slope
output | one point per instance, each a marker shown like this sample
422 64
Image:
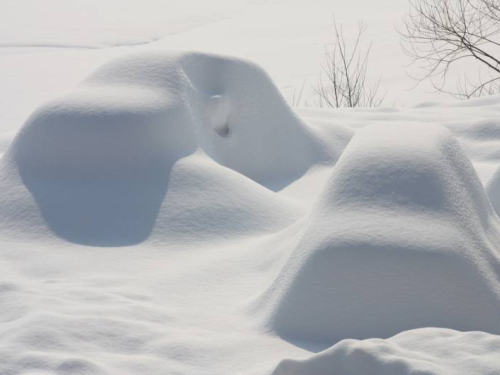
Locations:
400 221
172 214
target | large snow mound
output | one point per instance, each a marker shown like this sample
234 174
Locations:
385 249
421 351
98 161
159 106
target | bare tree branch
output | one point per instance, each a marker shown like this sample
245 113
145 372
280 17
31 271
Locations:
439 33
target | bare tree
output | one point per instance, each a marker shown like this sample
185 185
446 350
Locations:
343 82
438 34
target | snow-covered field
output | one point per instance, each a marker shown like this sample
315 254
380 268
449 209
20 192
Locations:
164 211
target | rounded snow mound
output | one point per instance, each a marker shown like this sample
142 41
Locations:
402 237
103 133
100 161
426 351
146 110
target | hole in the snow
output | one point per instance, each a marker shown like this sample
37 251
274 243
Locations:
222 130
219 108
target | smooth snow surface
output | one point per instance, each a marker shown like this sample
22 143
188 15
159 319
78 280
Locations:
173 215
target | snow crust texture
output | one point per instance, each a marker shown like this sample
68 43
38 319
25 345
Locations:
422 351
173 214
400 221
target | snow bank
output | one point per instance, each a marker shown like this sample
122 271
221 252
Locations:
160 106
402 237
98 161
422 351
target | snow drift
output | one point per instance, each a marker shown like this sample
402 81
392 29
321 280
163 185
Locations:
143 212
157 107
385 249
98 160
422 351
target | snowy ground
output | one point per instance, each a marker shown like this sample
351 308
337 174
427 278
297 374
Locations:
171 214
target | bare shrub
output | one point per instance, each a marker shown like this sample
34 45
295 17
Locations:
343 80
